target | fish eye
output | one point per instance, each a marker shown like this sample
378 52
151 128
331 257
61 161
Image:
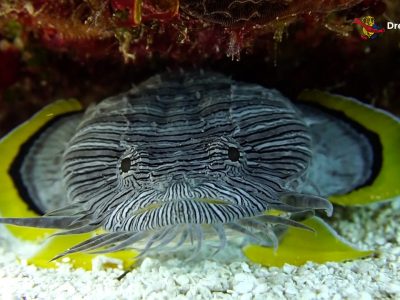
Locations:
233 153
125 164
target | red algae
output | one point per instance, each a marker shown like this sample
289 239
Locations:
180 30
245 12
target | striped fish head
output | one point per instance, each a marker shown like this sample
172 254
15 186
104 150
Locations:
193 149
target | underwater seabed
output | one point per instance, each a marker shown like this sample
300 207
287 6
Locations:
226 275
284 272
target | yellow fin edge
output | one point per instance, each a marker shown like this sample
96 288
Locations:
300 246
11 204
386 126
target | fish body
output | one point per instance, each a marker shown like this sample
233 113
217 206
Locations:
182 152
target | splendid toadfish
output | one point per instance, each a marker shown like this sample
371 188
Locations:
185 155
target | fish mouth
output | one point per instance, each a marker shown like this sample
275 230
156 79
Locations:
156 214
199 210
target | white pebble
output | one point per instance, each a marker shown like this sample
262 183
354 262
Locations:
288 268
365 296
244 283
245 268
182 280
393 288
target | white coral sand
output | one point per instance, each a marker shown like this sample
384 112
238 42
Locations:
373 227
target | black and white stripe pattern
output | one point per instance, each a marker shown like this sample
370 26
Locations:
181 151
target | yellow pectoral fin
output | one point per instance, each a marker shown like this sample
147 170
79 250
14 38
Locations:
386 126
11 202
58 244
299 246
